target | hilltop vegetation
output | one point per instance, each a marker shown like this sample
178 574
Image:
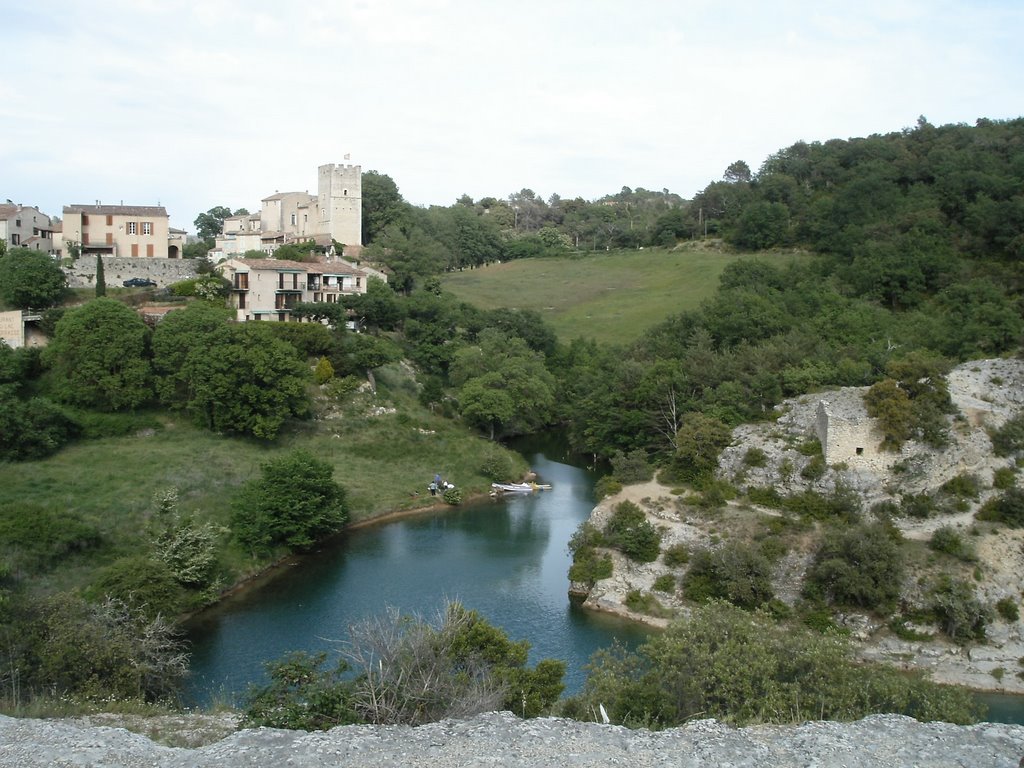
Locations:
917 244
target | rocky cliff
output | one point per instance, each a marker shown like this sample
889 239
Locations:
502 739
985 394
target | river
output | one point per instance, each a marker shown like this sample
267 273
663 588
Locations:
505 558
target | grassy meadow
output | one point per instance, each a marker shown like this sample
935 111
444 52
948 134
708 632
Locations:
609 297
383 458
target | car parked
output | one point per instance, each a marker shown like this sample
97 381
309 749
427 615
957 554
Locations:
139 282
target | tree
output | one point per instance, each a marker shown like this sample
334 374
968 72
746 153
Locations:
210 224
861 566
99 357
245 381
738 171
379 309
698 443
33 428
174 338
294 503
382 204
504 384
735 572
101 280
30 279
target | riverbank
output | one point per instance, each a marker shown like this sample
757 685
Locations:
991 667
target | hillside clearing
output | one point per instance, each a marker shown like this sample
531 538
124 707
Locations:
608 297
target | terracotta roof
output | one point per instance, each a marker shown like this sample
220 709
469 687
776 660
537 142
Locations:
282 195
335 269
275 264
111 210
7 210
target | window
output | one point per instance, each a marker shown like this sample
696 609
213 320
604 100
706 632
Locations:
135 250
110 220
17 223
133 228
15 239
149 250
147 228
293 219
110 238
85 219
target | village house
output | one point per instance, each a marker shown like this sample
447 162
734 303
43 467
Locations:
25 227
267 289
137 231
333 215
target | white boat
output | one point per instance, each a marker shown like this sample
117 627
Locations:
519 487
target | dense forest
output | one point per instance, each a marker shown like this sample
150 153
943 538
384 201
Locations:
911 248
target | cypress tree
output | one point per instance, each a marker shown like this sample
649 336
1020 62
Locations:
101 281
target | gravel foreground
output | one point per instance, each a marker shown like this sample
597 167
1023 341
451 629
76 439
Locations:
501 739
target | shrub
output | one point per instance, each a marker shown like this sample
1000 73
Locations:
766 497
293 504
957 610
919 505
676 555
589 567
948 541
964 486
101 651
1007 608
755 457
1009 438
629 531
765 672
323 372
814 469
1003 478
665 583
144 583
1007 508
33 538
631 467
301 695
496 466
736 572
452 496
841 504
407 670
643 602
811 447
860 566
606 486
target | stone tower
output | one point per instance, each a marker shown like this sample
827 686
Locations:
340 203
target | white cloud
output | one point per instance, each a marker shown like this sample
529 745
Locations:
223 102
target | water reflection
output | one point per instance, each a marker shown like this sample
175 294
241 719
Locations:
507 559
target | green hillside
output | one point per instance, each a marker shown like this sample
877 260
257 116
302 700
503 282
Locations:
611 298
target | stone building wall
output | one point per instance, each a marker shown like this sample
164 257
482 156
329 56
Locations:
82 274
848 435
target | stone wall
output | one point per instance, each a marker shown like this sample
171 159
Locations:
848 435
82 274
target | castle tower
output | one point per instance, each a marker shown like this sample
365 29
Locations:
340 203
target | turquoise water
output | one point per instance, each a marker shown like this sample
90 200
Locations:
507 559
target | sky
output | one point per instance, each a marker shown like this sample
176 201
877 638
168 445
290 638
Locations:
192 105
